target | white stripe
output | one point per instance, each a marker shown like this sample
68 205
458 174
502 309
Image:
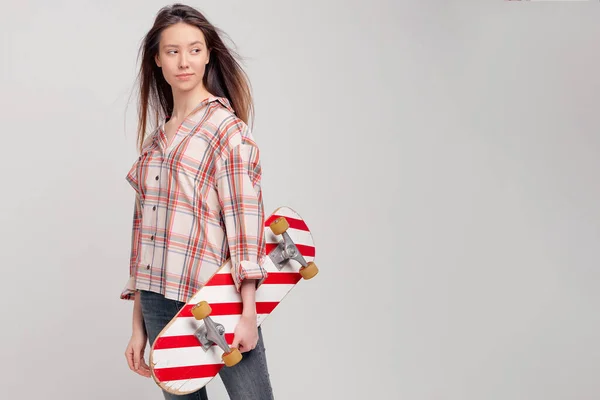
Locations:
229 294
225 269
187 356
185 386
188 325
290 266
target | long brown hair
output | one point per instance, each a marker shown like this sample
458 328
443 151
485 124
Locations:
223 76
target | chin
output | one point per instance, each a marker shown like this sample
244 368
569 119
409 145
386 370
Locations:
184 86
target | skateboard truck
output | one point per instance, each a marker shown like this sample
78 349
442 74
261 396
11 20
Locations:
212 333
287 250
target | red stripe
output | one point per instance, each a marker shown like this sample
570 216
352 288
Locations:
282 278
306 251
176 342
262 307
274 278
191 372
293 222
220 280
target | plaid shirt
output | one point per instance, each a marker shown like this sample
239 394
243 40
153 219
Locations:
198 202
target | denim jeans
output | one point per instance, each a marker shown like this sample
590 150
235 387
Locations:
248 380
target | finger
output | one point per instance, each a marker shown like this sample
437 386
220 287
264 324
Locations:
236 342
144 369
253 345
143 365
245 349
129 357
136 358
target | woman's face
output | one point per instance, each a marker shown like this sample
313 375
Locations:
182 56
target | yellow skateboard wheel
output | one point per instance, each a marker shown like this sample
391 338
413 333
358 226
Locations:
201 310
279 226
309 271
233 357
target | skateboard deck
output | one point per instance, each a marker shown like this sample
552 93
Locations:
183 359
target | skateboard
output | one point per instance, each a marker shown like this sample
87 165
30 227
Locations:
191 350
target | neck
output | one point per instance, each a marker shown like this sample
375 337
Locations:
185 102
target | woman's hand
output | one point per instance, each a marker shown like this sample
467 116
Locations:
135 354
246 333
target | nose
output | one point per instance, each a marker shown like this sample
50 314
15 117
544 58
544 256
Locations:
183 63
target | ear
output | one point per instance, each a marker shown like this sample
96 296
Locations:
208 57
157 61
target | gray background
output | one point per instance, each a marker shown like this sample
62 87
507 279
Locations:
444 153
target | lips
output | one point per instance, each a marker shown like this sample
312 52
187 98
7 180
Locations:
183 75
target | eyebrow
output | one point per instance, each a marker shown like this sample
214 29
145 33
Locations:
191 44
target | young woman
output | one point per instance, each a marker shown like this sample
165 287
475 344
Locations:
198 196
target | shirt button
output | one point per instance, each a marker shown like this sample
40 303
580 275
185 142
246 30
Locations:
156 177
154 208
152 237
140 158
148 266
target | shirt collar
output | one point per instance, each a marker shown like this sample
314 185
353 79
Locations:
222 100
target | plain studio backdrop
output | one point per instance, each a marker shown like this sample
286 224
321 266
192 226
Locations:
444 154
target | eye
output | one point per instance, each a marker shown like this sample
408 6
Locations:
199 50
170 51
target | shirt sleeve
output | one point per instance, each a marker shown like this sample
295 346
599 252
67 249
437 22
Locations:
129 290
238 186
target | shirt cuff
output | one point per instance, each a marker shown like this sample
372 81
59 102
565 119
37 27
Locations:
128 292
248 270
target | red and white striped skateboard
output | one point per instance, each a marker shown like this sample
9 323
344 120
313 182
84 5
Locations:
189 352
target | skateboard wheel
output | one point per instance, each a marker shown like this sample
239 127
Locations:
201 310
233 357
279 226
309 271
